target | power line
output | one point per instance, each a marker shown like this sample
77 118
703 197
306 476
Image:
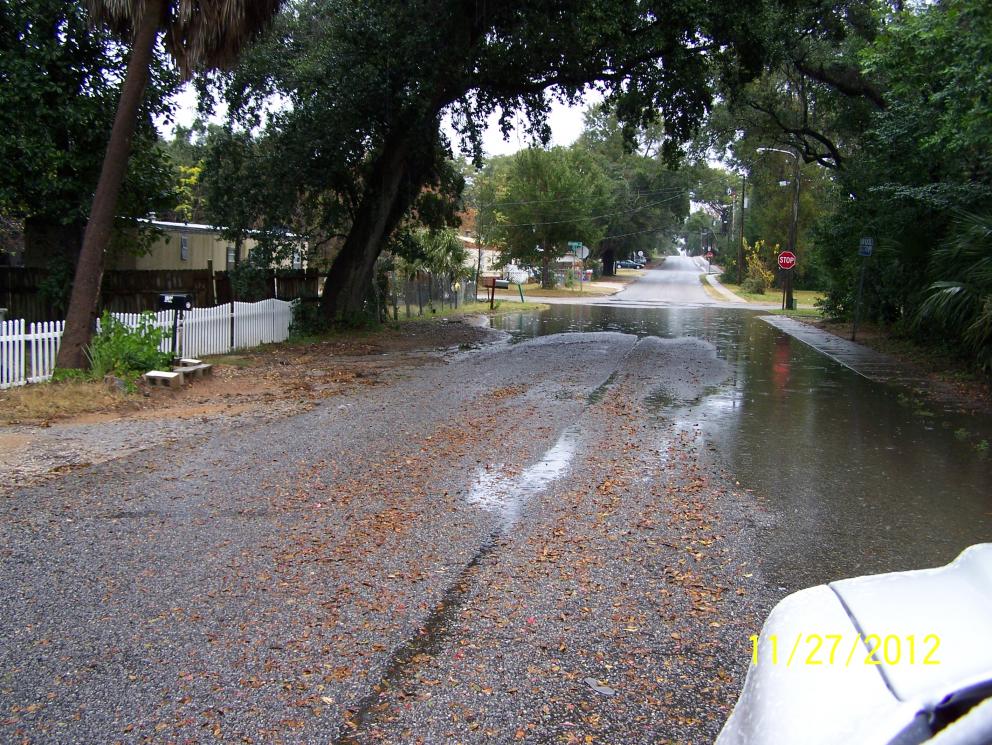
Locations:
627 235
670 190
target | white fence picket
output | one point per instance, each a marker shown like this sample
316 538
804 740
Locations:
12 342
204 331
45 338
207 331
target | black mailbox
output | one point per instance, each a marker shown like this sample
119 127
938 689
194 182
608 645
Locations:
176 301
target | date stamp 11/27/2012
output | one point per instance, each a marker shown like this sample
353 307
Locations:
845 649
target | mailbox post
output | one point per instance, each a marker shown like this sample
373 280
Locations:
490 284
178 303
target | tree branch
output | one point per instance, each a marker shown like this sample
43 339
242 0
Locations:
832 159
845 79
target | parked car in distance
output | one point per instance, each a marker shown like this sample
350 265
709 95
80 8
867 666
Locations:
628 264
890 659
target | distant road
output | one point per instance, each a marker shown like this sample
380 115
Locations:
676 281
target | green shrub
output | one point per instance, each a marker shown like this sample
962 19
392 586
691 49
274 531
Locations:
754 285
251 280
307 319
758 277
126 352
61 374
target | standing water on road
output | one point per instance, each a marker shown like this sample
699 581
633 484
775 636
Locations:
860 477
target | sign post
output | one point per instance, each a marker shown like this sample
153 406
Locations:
582 253
865 248
786 262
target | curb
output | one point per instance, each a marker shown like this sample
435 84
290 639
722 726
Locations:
715 284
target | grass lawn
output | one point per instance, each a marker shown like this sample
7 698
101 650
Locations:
801 311
804 298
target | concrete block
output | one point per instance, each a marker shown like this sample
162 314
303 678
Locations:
164 379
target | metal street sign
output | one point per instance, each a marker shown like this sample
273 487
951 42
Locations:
786 260
865 246
578 249
708 254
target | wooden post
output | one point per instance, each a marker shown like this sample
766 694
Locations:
211 287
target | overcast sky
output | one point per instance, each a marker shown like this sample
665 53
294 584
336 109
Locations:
565 121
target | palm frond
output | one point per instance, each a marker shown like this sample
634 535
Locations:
206 34
200 34
960 301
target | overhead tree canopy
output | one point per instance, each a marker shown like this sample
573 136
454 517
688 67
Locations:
362 88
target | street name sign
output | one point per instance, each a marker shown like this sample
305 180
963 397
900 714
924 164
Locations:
866 246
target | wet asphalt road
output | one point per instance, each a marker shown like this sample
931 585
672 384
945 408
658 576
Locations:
448 559
529 542
676 281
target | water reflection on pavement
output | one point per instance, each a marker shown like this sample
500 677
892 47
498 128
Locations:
861 477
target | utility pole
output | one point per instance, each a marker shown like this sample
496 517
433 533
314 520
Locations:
740 246
788 302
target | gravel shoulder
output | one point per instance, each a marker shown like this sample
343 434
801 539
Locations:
510 543
247 389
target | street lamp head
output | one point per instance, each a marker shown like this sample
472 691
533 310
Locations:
775 150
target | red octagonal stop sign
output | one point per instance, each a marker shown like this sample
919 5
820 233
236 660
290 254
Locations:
786 260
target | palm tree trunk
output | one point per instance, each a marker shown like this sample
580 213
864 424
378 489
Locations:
85 296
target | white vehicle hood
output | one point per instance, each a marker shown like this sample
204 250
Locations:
951 605
854 702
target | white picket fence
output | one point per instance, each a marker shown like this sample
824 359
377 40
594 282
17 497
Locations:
27 351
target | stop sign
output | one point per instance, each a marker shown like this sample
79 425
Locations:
786 260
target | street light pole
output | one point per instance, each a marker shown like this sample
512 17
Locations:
789 302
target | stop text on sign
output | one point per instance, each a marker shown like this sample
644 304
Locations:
786 260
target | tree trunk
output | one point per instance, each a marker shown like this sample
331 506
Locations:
395 181
547 281
85 296
609 262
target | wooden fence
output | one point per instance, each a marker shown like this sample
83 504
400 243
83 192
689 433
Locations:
27 351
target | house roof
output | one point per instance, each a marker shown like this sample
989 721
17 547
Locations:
193 227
